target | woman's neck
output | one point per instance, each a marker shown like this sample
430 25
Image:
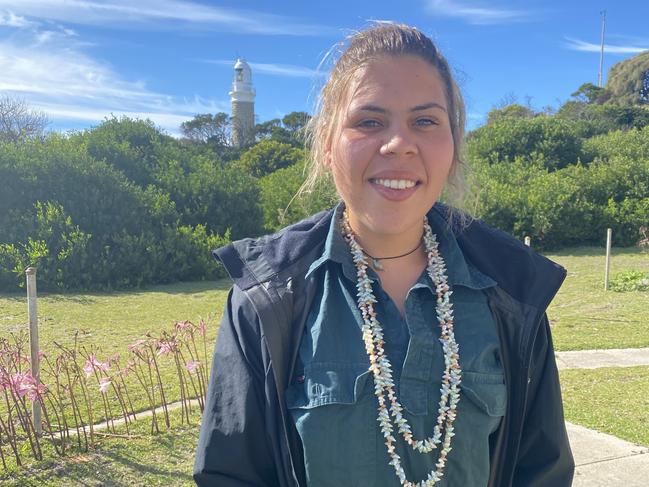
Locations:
387 245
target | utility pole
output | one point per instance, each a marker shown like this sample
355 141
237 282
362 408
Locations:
601 53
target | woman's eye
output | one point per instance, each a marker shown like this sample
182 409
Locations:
369 124
426 122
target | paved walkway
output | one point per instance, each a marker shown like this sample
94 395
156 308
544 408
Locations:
603 460
593 359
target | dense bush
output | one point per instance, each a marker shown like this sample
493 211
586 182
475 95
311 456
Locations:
132 146
632 144
85 225
593 119
567 207
556 140
281 204
205 193
268 156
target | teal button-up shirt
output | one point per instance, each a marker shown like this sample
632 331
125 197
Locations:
332 399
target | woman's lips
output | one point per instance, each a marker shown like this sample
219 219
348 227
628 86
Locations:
386 188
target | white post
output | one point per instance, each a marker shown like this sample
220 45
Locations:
609 238
528 241
33 341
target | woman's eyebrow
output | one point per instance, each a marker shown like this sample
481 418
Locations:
372 108
426 106
417 108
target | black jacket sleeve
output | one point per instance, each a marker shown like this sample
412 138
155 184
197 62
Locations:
544 456
233 448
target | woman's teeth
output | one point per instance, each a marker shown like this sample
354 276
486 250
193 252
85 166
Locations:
395 183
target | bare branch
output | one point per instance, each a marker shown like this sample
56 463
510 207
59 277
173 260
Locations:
19 122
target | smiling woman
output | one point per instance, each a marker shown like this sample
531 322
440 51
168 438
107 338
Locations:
376 343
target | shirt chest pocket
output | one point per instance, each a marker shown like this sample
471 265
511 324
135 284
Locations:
483 394
323 383
483 401
334 411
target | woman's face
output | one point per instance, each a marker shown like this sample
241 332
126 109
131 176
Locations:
392 150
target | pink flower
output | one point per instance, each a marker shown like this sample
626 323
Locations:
88 368
136 345
165 347
104 383
192 365
41 355
93 364
27 385
183 325
202 327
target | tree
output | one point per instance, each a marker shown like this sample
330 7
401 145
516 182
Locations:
589 93
553 140
19 122
133 146
268 156
509 111
626 80
206 127
288 130
295 121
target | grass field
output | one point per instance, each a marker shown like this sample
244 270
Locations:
614 401
583 316
142 460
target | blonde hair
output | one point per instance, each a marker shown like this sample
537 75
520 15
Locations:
384 39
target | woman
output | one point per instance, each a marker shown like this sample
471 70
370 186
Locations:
389 341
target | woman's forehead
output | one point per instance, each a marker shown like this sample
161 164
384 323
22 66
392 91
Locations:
411 79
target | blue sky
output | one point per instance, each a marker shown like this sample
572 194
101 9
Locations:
81 60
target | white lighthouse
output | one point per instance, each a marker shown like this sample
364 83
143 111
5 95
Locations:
242 98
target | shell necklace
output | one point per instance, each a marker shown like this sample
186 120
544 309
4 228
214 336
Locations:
382 369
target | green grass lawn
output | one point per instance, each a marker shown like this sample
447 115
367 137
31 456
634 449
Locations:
110 322
584 316
142 460
611 400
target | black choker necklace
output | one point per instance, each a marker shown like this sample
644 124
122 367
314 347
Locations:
376 261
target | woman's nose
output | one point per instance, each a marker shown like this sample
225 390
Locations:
398 143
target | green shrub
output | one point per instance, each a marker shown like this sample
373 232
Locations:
570 206
555 141
630 281
278 199
85 225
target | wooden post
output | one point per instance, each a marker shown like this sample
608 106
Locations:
609 238
528 241
33 341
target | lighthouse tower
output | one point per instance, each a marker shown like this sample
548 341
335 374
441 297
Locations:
242 98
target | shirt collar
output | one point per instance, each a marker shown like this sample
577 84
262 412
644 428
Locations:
336 249
459 271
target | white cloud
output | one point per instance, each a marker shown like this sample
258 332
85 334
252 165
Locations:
9 19
475 14
168 14
59 79
289 70
579 45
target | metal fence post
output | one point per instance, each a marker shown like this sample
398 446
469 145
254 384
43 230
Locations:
609 238
33 341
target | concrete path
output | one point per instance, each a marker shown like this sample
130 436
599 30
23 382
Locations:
592 359
603 460
606 461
